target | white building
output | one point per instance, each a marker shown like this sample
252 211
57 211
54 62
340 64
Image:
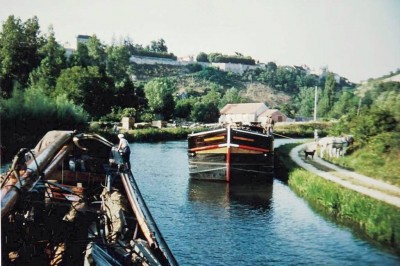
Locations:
241 112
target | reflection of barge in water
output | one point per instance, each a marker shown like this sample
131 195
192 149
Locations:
231 154
254 195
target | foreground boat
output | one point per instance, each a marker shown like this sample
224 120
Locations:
72 201
231 154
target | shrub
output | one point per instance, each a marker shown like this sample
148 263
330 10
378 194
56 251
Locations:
29 114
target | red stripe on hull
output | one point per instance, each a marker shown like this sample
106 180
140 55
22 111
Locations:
253 148
211 147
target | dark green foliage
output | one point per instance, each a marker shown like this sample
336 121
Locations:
158 46
19 52
170 56
235 59
87 86
194 68
379 113
206 112
159 94
184 108
326 102
29 114
45 76
202 57
214 75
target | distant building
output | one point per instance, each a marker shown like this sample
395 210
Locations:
247 113
277 116
84 39
241 112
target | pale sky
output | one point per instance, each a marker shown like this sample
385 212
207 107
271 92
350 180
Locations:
358 39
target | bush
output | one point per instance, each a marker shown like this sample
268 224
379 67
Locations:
29 114
155 54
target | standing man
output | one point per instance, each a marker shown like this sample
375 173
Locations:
124 150
316 135
270 125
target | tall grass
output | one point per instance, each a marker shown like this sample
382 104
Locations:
29 114
378 220
379 158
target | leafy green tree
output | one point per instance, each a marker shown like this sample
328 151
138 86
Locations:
326 103
231 96
202 57
345 105
80 57
19 45
159 95
45 76
206 112
86 86
305 102
97 53
184 107
213 97
158 46
118 65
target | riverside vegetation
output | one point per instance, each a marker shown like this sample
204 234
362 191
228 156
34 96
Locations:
375 219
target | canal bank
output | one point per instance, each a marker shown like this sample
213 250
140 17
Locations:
371 205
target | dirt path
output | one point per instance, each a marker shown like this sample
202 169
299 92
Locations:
363 184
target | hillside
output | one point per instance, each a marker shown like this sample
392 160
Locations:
201 81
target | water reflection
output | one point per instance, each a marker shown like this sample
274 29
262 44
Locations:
255 195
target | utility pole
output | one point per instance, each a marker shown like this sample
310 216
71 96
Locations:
315 103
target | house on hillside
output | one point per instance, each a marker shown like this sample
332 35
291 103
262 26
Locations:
241 112
277 116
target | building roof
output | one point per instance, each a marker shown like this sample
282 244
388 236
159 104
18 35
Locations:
241 108
83 36
270 112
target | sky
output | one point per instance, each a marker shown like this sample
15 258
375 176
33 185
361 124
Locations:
357 39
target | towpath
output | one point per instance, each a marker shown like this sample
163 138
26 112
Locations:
363 184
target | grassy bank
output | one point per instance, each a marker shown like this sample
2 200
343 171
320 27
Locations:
379 158
375 219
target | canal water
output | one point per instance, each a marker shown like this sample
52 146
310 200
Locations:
207 223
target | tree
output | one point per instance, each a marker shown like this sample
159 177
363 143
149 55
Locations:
97 53
305 102
118 65
205 112
326 103
158 46
231 96
45 76
202 57
184 107
19 44
159 95
80 57
346 105
212 97
86 86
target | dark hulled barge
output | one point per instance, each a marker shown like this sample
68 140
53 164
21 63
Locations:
231 154
72 201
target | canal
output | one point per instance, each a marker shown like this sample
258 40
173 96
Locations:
207 223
